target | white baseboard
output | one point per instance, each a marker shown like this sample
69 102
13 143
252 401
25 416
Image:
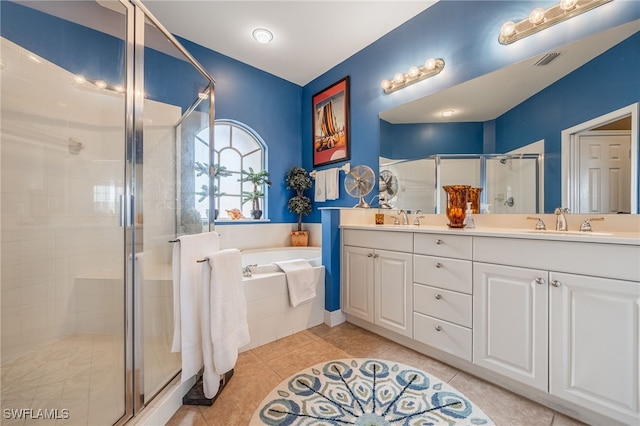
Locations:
334 318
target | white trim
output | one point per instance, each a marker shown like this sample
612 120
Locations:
334 318
569 154
165 405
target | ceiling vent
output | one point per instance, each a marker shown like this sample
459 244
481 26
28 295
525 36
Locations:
547 59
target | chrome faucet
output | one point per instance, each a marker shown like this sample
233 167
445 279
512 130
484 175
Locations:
416 221
246 271
561 219
403 215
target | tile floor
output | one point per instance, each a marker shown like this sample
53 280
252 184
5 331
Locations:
261 369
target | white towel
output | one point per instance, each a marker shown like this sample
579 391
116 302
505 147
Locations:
223 316
186 298
300 280
320 189
332 187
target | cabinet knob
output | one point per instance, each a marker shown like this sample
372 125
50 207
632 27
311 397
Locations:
375 256
438 296
540 280
439 241
369 254
438 328
555 283
439 265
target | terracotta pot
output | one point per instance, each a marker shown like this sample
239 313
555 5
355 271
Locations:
299 238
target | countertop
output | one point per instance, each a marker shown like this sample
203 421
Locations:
617 237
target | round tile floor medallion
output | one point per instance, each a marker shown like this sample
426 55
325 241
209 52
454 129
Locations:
366 392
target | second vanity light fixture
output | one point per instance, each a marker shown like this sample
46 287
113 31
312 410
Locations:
415 74
541 18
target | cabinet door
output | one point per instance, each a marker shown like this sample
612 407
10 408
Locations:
594 349
394 291
510 319
357 279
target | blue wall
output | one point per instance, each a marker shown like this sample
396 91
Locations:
413 141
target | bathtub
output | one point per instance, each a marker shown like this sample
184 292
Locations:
269 314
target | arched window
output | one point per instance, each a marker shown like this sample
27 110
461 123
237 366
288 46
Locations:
237 150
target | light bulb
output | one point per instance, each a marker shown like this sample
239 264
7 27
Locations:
568 4
508 28
118 88
414 72
447 113
101 84
262 35
385 84
79 79
430 64
536 16
398 78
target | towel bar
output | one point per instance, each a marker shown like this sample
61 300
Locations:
177 240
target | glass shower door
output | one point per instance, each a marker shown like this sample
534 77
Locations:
62 156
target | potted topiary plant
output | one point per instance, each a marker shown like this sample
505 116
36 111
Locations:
298 179
258 179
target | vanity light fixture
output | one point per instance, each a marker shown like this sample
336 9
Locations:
262 35
541 18
400 80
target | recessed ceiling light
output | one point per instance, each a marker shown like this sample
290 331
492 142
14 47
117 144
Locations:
262 35
447 113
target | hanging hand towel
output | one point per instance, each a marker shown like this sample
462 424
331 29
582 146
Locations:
331 183
320 189
300 280
186 298
223 316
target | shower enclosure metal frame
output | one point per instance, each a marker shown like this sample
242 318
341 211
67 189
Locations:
137 14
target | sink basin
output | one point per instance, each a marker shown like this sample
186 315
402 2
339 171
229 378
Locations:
580 233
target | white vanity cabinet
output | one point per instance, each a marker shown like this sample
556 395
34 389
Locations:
594 343
510 335
377 277
537 300
442 297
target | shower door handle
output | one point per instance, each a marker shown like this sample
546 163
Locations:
126 215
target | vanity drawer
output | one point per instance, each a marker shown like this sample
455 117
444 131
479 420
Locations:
456 246
386 240
443 272
443 304
442 335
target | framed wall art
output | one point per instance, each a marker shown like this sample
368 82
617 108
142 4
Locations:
330 108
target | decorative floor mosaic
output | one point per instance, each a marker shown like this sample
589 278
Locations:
369 392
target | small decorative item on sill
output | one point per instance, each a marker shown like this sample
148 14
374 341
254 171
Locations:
379 218
456 204
474 199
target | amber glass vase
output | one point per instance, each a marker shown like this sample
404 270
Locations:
456 204
474 199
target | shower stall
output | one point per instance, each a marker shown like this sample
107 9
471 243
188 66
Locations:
99 105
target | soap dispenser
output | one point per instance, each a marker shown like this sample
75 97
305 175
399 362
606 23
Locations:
468 217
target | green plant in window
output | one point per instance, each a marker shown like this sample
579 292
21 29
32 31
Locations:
258 179
215 171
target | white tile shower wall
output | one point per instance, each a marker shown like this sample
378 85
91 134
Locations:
60 234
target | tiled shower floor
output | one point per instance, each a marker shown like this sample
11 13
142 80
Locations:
78 373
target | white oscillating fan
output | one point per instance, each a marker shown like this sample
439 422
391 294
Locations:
359 182
387 187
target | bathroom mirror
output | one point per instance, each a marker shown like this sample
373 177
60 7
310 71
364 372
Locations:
484 107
